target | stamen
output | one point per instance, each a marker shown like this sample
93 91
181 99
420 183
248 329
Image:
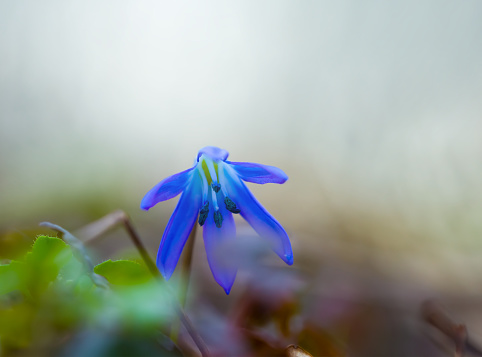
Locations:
216 187
211 169
230 205
203 214
222 179
205 181
215 200
218 219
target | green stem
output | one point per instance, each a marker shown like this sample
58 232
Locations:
186 266
184 280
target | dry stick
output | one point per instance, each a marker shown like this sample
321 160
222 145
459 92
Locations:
434 315
94 230
99 227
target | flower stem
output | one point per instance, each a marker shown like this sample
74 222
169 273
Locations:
184 280
186 266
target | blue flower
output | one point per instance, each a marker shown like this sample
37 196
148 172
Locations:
213 189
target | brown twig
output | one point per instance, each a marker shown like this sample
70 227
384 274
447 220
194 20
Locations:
435 316
99 227
90 232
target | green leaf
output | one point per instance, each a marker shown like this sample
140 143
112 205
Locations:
43 264
80 253
123 272
47 250
9 278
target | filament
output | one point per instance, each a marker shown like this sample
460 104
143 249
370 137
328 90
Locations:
212 170
205 181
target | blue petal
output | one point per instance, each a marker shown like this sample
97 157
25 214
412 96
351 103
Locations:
179 226
258 173
166 189
262 222
213 152
217 243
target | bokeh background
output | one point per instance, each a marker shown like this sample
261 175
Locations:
372 108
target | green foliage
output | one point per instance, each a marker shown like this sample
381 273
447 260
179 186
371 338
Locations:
15 323
123 272
9 278
33 274
24 283
43 264
142 300
55 291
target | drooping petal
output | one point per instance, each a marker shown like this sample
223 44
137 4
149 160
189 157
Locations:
218 243
179 226
213 152
258 173
166 189
255 214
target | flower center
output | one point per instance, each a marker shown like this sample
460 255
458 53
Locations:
213 180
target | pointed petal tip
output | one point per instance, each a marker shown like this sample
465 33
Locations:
144 207
146 204
288 258
282 176
166 274
286 178
226 285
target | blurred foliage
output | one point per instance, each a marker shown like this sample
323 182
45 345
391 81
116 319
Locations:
55 302
50 304
123 272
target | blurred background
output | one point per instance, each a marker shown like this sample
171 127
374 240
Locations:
372 108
